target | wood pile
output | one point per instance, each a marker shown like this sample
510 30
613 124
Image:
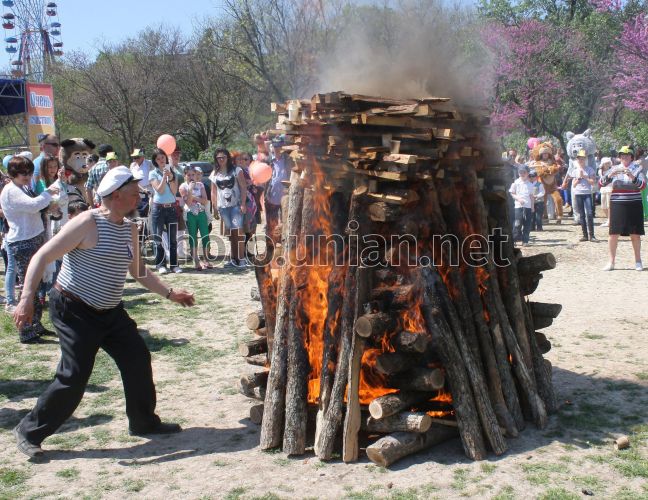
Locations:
395 308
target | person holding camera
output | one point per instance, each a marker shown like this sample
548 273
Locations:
626 209
163 213
22 209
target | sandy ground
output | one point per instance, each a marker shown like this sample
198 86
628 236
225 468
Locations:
600 359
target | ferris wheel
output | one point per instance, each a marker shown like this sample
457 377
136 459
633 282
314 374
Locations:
32 36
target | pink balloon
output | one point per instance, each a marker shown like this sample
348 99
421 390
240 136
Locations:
260 172
166 143
533 142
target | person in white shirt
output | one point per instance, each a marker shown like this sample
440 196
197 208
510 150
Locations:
522 192
26 233
140 168
538 201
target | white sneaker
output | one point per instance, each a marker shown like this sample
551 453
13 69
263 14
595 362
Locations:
162 270
609 267
638 266
243 263
177 269
229 264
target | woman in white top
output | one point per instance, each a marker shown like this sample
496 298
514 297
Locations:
228 189
26 233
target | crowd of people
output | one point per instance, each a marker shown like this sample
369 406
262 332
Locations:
547 185
38 198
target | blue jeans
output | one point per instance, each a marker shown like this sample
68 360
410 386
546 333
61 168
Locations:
232 217
165 219
10 276
522 225
584 207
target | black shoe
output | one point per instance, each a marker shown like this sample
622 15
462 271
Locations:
594 239
44 332
161 428
29 449
584 238
33 340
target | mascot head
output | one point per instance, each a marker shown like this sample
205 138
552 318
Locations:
74 153
540 148
576 142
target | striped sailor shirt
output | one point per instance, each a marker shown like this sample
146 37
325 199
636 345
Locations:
97 275
624 189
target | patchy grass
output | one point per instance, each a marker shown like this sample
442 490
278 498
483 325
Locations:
487 468
558 494
540 473
642 375
187 357
506 493
68 440
460 479
71 473
134 485
235 493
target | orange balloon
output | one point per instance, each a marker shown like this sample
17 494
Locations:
260 172
166 143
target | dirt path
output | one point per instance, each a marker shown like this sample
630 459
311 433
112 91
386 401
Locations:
600 359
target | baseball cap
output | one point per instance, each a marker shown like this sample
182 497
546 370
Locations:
115 179
523 168
137 153
112 156
581 153
626 150
26 154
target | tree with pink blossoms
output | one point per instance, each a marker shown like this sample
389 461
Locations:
631 80
547 80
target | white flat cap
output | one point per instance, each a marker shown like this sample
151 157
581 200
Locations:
114 179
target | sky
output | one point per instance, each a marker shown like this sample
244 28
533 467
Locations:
86 23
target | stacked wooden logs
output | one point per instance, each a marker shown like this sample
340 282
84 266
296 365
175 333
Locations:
409 319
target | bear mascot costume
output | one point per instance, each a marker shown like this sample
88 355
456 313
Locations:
74 153
547 169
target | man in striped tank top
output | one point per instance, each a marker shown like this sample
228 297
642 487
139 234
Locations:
98 248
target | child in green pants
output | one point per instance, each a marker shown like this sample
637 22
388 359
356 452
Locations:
195 197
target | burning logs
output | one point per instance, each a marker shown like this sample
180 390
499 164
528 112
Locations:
394 293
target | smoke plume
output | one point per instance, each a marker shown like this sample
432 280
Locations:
416 49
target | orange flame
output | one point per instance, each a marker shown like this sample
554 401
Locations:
372 383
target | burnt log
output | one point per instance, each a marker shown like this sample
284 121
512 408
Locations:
541 322
257 360
373 325
535 264
392 448
529 283
411 342
384 212
545 309
397 297
390 363
419 379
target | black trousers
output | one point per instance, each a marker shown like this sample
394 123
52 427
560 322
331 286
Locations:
82 332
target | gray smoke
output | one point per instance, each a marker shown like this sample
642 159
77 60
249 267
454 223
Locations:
411 49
